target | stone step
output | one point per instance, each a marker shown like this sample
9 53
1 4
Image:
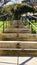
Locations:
19 52
18 36
15 26
18 44
19 30
18 48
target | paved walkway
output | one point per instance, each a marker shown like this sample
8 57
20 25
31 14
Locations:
22 61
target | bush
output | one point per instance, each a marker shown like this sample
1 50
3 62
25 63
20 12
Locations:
33 21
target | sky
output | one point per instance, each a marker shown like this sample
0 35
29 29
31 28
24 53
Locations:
13 1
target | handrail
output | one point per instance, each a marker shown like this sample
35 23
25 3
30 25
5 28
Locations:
32 24
34 17
3 15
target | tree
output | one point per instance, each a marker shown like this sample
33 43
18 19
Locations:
23 8
17 10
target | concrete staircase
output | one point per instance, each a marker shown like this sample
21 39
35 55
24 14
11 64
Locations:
17 27
18 31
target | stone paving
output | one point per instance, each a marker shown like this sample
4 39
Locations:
22 61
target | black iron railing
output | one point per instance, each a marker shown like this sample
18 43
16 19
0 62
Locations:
5 22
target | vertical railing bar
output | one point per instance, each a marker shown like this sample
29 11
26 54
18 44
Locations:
6 24
3 26
18 60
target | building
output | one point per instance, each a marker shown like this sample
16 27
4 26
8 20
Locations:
2 2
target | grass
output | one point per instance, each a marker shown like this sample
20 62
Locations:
1 25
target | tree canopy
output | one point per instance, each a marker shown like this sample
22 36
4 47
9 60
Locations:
17 10
21 9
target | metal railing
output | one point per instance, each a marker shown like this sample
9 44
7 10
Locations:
5 22
32 24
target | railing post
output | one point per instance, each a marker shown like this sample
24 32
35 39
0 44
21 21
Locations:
6 24
18 60
36 34
3 26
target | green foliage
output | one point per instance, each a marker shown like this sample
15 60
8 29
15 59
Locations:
33 21
1 25
33 26
16 10
33 29
23 8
